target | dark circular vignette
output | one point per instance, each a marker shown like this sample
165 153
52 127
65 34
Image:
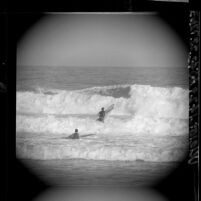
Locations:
180 25
30 19
98 6
187 173
25 21
28 185
21 183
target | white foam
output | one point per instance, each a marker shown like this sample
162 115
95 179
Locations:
103 150
112 126
154 116
144 100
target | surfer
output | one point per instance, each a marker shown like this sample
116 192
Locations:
75 135
101 115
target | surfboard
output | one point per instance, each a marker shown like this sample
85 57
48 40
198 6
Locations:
110 108
86 135
80 136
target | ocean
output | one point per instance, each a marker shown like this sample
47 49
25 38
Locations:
143 137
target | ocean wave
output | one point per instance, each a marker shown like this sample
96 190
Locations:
87 149
143 115
143 100
137 125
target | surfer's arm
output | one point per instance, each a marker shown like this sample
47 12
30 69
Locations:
70 135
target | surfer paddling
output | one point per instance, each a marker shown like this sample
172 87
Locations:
101 115
75 135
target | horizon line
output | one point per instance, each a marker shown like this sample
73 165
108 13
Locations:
23 65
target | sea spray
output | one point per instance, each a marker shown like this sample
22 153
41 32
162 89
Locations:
147 123
143 100
137 125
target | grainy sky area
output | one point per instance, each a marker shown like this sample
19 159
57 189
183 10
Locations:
140 40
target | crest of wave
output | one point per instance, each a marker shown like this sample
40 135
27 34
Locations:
143 100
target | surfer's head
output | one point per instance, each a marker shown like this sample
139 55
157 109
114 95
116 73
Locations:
102 108
76 130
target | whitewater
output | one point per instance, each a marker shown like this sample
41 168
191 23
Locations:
148 123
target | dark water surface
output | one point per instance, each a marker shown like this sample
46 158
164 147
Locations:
68 78
80 172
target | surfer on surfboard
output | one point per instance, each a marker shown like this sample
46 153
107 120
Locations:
101 115
104 112
75 135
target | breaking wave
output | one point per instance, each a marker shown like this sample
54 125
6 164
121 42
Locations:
156 116
130 100
113 126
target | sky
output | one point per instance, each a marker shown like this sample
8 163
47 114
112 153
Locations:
134 40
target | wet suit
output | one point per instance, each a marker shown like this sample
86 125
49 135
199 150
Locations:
74 136
101 115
